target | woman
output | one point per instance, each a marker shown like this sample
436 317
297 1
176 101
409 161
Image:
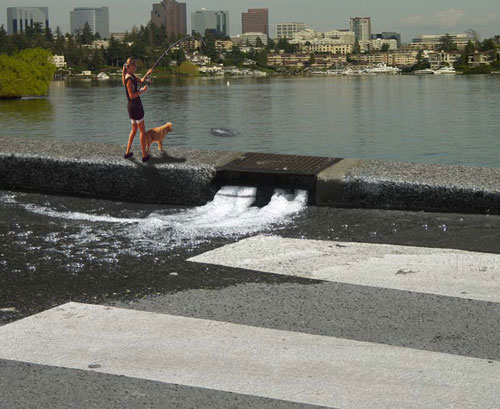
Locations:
135 109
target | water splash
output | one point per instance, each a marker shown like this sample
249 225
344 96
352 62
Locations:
230 214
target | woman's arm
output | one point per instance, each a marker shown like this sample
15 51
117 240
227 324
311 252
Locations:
141 80
131 93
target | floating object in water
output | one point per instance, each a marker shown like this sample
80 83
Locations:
223 132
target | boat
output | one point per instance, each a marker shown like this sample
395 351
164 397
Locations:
383 69
102 76
425 71
445 70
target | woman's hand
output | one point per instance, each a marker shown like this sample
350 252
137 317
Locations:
150 71
144 89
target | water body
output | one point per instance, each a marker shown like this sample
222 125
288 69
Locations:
442 119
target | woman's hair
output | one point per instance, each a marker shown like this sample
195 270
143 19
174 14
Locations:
129 62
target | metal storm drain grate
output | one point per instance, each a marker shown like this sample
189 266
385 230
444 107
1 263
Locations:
284 164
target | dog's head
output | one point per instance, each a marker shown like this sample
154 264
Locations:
168 127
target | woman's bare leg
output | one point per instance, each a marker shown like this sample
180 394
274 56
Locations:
131 138
142 131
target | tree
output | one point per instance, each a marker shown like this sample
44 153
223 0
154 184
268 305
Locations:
28 72
421 63
188 68
357 48
488 44
259 43
86 36
385 47
312 59
447 43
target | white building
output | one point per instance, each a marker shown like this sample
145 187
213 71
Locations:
59 61
362 27
97 18
215 21
250 38
19 18
333 42
287 30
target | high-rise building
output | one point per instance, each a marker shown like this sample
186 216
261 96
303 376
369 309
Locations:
215 21
362 27
255 21
19 18
171 15
287 30
97 19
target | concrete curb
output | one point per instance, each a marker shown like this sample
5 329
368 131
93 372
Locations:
189 177
409 186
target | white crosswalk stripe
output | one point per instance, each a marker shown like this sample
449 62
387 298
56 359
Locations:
447 272
248 360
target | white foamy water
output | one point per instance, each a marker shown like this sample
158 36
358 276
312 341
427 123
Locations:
230 214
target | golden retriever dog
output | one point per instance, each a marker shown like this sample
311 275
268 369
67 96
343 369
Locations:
157 135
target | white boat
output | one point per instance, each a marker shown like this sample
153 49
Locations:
102 76
425 71
445 71
383 69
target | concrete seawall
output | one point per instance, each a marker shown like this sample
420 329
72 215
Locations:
191 177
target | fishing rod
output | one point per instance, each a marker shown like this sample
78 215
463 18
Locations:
148 81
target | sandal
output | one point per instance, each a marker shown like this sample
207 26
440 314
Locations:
128 155
145 158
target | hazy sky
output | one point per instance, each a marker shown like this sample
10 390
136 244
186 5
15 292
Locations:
410 18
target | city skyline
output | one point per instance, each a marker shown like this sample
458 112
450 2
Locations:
410 20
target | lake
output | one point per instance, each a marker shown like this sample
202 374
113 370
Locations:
427 119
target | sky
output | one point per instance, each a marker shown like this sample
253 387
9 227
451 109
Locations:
410 18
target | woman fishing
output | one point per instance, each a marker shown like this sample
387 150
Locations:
135 109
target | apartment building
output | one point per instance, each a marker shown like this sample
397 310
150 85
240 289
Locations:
20 18
250 38
395 58
302 60
97 19
287 30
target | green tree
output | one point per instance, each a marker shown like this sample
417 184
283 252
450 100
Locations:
488 44
421 63
86 36
356 49
188 68
447 43
385 47
312 59
259 43
28 72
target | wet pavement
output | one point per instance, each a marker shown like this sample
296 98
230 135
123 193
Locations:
46 260
56 249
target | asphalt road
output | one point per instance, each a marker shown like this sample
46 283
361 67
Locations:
37 274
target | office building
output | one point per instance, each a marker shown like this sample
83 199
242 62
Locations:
97 19
171 15
287 30
19 18
215 21
362 28
388 35
255 21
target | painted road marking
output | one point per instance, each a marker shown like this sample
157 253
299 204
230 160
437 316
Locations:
453 273
270 363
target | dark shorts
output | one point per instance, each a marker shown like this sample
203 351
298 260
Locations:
135 109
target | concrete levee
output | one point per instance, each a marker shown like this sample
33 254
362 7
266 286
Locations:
191 177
